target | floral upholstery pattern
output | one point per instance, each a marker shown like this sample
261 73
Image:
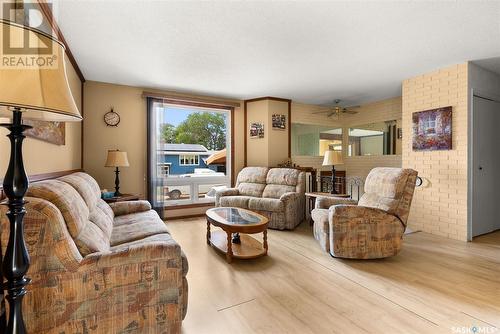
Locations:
277 193
374 227
126 208
84 283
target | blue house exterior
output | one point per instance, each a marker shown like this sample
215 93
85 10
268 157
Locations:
178 159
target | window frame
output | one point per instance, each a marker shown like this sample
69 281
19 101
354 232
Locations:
196 159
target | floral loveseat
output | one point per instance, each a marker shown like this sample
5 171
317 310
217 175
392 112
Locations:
97 268
277 193
374 227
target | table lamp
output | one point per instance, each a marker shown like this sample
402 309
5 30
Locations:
333 158
33 90
117 159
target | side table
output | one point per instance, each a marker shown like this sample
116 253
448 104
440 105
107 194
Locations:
122 198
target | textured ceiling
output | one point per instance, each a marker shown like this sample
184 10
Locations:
310 52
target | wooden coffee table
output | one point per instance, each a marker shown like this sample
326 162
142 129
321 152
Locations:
234 221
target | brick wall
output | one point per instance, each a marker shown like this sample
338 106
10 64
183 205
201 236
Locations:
440 205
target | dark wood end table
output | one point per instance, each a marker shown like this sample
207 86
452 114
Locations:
122 198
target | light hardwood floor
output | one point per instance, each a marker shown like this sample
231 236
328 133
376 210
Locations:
435 285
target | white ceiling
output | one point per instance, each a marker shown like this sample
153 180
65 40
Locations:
310 52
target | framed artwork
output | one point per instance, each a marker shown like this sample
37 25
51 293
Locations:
51 132
256 130
279 122
432 129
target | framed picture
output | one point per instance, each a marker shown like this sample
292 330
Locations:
432 129
256 130
279 122
51 132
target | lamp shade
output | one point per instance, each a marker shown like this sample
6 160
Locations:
333 158
117 159
33 75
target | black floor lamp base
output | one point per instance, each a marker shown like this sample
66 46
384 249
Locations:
16 260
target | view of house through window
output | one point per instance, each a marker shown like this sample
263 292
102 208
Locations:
191 155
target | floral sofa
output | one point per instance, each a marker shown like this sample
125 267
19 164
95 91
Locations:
99 268
373 227
277 193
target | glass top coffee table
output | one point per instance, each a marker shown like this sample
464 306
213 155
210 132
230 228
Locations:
234 221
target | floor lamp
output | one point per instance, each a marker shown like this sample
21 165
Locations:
33 86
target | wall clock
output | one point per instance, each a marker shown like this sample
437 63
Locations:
111 118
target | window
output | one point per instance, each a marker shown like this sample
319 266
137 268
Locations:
190 149
189 160
163 169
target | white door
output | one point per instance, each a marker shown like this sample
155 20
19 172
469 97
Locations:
486 166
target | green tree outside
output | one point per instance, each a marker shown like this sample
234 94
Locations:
205 128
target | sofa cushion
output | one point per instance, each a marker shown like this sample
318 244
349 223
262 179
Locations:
66 199
251 181
136 226
384 188
251 189
99 211
283 176
386 182
85 185
252 175
266 204
88 236
276 190
235 201
161 238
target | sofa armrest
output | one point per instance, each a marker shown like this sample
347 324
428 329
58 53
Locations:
291 196
363 233
128 207
225 192
324 202
348 214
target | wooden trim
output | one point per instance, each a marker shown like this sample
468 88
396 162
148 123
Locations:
50 17
268 98
82 106
233 168
245 107
245 132
188 206
42 177
193 101
289 129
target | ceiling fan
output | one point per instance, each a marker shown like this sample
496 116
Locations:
337 109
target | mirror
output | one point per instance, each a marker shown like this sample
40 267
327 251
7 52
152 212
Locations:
314 140
382 138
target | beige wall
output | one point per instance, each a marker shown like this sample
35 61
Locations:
257 148
130 135
273 148
440 206
384 110
278 139
42 157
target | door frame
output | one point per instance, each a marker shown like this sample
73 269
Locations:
470 150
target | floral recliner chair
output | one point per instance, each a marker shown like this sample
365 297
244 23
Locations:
373 227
